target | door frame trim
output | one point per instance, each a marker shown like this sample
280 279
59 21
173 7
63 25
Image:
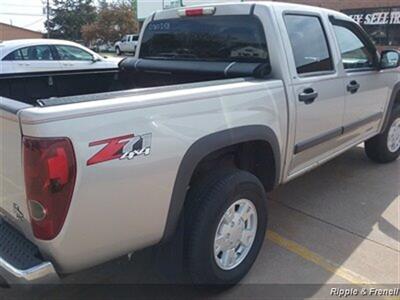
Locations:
355 125
317 140
325 137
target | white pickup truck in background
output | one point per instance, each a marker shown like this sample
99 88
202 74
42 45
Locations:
220 105
127 44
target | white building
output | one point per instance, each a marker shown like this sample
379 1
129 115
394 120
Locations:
147 7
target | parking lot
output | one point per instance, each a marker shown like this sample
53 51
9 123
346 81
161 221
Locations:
335 226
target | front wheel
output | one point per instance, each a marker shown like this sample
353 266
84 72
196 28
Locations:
385 147
225 224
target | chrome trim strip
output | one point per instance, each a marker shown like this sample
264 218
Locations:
43 273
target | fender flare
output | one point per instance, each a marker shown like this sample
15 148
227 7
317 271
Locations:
395 94
200 149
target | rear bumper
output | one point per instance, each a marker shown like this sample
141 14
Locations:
20 260
43 273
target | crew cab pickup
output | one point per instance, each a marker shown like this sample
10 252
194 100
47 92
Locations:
127 44
220 104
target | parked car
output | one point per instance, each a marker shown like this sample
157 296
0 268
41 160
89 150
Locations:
43 55
127 44
199 135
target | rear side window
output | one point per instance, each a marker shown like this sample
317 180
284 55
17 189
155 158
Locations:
237 38
41 52
309 44
16 55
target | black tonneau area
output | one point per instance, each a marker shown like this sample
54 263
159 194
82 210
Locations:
133 73
204 68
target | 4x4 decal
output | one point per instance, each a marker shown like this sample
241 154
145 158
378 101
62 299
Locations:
122 147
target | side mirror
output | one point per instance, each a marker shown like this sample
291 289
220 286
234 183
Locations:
390 59
95 59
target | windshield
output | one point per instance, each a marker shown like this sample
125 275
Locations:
238 38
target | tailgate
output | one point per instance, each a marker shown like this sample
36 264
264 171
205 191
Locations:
13 207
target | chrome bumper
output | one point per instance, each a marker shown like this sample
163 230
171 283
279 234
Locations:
20 261
43 273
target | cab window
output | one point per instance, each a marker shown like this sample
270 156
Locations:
355 53
238 38
309 44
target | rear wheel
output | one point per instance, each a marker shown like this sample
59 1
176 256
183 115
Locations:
385 147
118 51
225 223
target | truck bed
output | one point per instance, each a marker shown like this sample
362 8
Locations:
41 89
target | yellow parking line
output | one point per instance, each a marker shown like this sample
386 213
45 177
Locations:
325 264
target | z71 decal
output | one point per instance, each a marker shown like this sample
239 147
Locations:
122 147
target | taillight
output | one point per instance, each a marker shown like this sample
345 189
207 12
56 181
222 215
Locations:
195 12
50 171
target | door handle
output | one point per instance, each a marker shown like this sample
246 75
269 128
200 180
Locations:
353 87
308 96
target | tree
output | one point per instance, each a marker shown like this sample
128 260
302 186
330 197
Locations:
69 16
113 21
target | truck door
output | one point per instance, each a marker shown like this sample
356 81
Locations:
317 88
135 39
365 86
126 45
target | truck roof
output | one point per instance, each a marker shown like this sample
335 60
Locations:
272 4
302 6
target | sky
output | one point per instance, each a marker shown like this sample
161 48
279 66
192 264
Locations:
29 14
24 13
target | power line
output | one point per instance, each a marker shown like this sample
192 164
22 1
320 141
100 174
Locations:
33 23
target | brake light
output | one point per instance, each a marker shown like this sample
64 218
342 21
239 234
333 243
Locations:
195 12
50 172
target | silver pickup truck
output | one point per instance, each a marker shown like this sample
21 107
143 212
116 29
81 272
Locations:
220 105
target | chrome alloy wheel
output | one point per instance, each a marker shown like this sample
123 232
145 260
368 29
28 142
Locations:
393 139
235 234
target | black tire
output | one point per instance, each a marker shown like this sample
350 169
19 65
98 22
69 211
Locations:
207 202
377 148
118 51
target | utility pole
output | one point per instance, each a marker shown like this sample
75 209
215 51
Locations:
48 18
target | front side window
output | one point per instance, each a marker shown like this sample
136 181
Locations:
355 54
309 44
238 38
41 52
73 53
